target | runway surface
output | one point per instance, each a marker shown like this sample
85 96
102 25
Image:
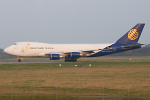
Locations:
24 62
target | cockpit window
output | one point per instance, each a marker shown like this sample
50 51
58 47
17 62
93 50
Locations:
16 43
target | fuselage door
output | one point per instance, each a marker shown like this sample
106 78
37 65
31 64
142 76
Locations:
114 49
22 49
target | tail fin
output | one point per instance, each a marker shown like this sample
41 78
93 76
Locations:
132 36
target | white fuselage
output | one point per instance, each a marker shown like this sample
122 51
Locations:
71 52
35 49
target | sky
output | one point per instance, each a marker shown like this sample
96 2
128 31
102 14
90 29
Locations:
71 21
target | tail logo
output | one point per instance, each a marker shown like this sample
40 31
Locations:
133 34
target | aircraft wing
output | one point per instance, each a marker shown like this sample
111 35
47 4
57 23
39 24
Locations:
91 50
82 52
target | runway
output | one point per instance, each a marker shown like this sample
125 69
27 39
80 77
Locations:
25 62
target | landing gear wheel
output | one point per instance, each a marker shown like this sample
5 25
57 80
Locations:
68 59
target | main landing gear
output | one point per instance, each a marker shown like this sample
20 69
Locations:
69 59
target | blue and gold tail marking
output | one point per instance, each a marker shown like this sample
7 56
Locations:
129 41
132 36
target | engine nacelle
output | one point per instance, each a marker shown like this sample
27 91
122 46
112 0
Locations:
75 54
54 56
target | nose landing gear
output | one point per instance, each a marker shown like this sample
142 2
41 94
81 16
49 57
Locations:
19 59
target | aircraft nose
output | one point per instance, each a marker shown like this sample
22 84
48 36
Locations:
6 50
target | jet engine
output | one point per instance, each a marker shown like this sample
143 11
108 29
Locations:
74 55
54 56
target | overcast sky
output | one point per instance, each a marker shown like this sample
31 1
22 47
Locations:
71 21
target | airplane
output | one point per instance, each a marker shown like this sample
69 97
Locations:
72 52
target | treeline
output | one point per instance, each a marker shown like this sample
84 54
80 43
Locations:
144 51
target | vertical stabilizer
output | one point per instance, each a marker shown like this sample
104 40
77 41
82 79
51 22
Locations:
132 36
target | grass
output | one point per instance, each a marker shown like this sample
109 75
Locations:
114 78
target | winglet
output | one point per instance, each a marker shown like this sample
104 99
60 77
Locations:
132 36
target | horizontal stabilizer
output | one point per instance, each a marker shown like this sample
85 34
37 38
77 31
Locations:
132 46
